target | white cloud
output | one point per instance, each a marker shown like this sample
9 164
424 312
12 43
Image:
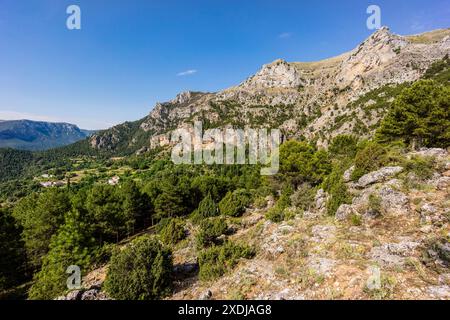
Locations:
187 73
417 26
285 35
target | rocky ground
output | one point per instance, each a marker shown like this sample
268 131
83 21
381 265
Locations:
400 250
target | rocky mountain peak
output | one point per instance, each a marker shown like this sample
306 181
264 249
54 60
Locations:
182 97
279 74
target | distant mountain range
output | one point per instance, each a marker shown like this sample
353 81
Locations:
39 135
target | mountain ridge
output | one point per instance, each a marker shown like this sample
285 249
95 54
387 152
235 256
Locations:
301 98
39 135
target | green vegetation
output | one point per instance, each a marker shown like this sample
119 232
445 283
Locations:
210 230
234 203
371 156
141 271
40 216
421 167
217 260
172 230
375 204
344 146
420 116
206 209
337 190
72 245
43 231
12 252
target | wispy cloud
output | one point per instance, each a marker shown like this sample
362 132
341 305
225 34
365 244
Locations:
187 73
285 35
417 26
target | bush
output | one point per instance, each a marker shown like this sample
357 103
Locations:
304 197
422 167
344 145
375 204
141 271
337 190
303 162
234 203
217 260
206 208
275 214
210 230
171 230
278 212
370 157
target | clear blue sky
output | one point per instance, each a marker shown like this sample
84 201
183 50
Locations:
130 54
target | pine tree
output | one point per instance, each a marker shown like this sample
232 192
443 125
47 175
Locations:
72 245
420 116
12 252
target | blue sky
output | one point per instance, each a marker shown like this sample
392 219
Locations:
130 54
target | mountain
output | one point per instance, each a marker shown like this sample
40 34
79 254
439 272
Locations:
38 135
319 100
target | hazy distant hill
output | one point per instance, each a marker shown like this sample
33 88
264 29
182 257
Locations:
38 135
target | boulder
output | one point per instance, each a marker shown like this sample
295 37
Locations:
378 176
321 200
74 295
94 293
344 212
348 174
392 199
393 254
207 295
431 152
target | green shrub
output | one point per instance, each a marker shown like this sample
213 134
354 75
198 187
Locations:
171 230
422 167
234 203
304 197
141 271
344 146
217 260
356 219
278 212
260 202
275 214
375 204
206 208
210 230
337 190
370 157
303 162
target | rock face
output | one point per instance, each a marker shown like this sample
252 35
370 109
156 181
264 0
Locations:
348 174
321 201
378 176
300 98
278 74
344 212
93 293
393 254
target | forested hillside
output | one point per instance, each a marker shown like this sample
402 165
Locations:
170 231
